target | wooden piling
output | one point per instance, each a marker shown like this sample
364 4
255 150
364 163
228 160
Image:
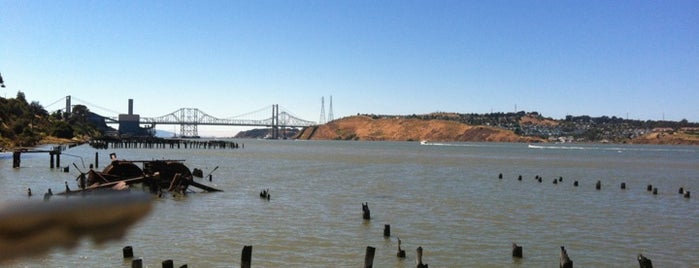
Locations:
137 263
516 251
168 264
97 159
419 258
623 186
644 262
387 230
128 252
566 262
366 214
246 257
51 160
369 257
401 252
16 158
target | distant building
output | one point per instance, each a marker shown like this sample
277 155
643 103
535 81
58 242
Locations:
129 124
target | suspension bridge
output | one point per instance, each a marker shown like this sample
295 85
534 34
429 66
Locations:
190 118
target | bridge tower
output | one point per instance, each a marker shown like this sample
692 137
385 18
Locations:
189 126
275 121
189 131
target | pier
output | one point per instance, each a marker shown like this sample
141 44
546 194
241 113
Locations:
160 143
55 154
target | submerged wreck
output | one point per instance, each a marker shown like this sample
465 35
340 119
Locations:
156 175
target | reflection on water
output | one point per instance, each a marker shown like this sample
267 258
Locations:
446 198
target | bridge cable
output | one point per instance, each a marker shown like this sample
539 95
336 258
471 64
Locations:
267 108
292 114
62 98
94 105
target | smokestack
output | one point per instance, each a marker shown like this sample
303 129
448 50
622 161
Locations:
130 106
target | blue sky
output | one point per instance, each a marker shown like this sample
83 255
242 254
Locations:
635 59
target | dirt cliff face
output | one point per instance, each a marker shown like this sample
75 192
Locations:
402 129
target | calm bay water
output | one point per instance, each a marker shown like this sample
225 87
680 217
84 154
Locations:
446 198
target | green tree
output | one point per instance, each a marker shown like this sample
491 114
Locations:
37 110
20 97
62 129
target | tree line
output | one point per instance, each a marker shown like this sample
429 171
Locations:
24 124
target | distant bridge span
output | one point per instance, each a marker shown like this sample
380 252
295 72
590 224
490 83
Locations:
190 118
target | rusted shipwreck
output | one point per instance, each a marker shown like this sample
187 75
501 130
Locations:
156 175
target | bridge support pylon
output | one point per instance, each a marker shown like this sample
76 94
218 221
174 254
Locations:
275 121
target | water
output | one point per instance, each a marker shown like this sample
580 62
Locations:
446 198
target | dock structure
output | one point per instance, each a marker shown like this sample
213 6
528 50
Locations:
160 143
54 152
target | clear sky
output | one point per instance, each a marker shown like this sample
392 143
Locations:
635 59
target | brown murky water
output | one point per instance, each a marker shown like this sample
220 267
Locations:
446 198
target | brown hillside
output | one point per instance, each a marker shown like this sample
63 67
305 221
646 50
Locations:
670 138
402 129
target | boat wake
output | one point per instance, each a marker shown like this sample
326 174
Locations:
426 143
557 147
610 148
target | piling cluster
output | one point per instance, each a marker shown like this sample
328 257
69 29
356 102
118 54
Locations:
371 251
160 143
138 262
565 261
517 250
598 185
